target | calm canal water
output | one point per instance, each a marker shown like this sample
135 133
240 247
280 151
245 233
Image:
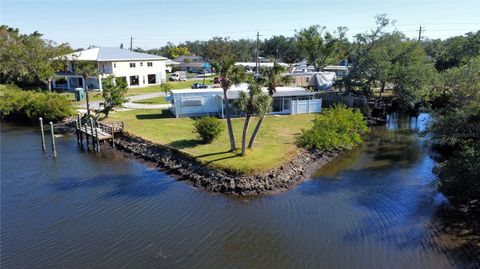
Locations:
373 207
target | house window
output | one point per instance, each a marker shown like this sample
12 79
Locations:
132 65
286 104
152 79
149 64
277 105
134 81
192 101
141 64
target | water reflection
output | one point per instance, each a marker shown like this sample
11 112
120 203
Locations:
373 207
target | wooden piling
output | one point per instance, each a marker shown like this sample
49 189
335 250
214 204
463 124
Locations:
42 134
78 128
86 136
52 132
113 136
93 135
98 140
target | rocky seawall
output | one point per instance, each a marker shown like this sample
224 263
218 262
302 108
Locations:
185 167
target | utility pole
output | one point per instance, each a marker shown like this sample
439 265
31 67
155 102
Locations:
131 42
420 33
257 63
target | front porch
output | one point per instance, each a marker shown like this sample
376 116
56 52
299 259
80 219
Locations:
70 81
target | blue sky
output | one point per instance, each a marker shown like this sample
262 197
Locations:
154 23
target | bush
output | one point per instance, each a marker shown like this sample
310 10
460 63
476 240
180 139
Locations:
208 128
336 128
28 106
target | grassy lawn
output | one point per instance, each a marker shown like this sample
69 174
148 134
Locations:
175 84
274 145
93 96
153 101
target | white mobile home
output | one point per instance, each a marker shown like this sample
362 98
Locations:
138 69
202 102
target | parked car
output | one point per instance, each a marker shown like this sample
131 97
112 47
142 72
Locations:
178 76
199 86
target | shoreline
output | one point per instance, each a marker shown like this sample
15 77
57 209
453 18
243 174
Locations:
186 168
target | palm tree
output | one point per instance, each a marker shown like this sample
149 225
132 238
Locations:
271 78
86 70
251 103
230 75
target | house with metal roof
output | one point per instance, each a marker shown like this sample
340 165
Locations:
138 69
210 101
192 64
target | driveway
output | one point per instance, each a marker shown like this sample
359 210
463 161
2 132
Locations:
130 104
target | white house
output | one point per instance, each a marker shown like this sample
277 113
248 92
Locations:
202 102
250 67
138 69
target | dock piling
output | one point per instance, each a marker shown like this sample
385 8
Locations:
42 133
52 132
93 135
98 139
86 136
78 129
113 136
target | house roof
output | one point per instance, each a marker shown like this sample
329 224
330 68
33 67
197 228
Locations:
105 54
190 58
253 64
171 62
234 91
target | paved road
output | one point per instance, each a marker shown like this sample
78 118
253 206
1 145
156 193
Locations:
130 104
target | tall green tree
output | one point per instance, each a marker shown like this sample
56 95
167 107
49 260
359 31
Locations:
29 59
174 52
320 46
455 129
454 51
412 75
114 90
250 103
230 75
216 48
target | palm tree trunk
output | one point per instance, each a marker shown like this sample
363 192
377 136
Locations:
87 99
244 134
255 132
49 86
229 122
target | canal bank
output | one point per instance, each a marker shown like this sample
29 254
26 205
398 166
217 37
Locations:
373 207
186 168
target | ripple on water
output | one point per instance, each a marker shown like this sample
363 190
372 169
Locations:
372 207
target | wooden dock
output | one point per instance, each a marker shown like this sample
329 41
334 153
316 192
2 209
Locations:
96 132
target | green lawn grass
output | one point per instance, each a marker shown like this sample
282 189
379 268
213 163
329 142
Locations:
153 101
274 146
175 86
93 96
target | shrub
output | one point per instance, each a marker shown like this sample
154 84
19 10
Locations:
336 128
28 106
208 128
